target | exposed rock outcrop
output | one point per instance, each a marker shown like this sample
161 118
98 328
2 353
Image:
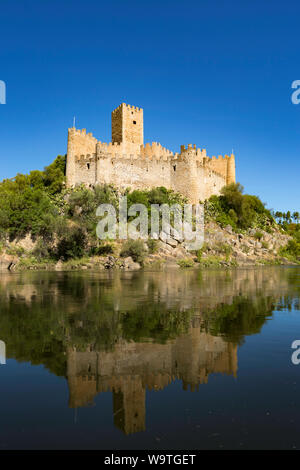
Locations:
7 262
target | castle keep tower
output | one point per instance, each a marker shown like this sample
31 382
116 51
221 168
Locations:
127 125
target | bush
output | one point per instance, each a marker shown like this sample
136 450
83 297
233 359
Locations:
211 261
200 252
83 203
135 249
15 250
25 211
41 250
238 210
152 245
258 235
186 263
291 250
72 243
102 250
157 196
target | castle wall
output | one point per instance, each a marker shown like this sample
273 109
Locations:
210 182
224 166
183 173
133 171
127 163
86 170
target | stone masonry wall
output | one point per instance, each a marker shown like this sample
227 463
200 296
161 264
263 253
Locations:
127 162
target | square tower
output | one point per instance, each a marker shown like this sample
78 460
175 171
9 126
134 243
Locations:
127 125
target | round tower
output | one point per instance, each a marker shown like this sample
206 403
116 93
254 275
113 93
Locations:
230 169
70 163
186 179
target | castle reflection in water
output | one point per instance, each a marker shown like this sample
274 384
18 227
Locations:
131 368
126 333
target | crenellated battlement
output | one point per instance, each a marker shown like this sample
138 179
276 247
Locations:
111 147
127 162
127 106
154 149
220 157
85 158
81 133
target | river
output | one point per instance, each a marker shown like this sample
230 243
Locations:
181 359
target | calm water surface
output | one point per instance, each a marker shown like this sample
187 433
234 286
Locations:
156 360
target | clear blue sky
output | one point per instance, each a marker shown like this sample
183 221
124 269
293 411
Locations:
213 73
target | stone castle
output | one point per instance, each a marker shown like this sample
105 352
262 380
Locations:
127 163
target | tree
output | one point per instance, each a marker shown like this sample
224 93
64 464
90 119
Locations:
279 216
296 216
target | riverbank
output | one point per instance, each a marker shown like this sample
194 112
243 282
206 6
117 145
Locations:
222 247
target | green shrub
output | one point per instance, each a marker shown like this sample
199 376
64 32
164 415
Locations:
223 248
102 250
200 252
225 219
186 263
291 250
15 250
41 250
152 245
234 208
211 261
71 244
83 203
135 249
258 235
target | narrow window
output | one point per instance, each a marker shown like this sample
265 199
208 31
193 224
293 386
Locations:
174 167
88 166
134 122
